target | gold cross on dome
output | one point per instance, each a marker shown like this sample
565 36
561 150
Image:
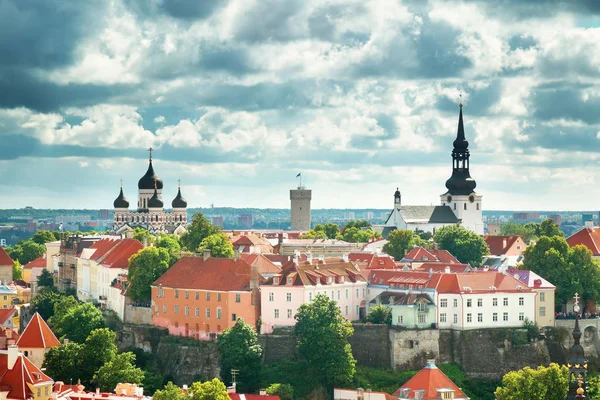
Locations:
150 150
576 297
179 183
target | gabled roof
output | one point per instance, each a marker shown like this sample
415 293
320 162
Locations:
428 214
22 374
37 263
5 258
224 274
430 379
6 314
305 273
590 238
438 267
403 279
37 335
237 396
480 282
531 279
430 255
401 299
265 265
372 261
499 245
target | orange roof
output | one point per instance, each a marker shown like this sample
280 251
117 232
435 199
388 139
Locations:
590 238
6 313
212 274
5 258
499 245
236 396
18 379
37 335
319 271
431 255
37 263
373 261
480 282
430 379
115 253
441 267
265 266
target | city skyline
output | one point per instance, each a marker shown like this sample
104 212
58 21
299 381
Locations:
359 97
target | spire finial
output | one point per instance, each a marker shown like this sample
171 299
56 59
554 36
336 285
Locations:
121 183
460 99
178 183
150 150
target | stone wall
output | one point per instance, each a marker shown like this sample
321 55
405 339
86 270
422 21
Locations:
280 345
188 360
410 349
371 345
142 337
138 315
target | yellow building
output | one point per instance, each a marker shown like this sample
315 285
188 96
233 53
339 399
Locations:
7 294
544 302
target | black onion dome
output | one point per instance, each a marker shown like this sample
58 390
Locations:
154 201
179 201
121 201
460 183
147 181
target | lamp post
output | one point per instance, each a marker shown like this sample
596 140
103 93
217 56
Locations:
578 365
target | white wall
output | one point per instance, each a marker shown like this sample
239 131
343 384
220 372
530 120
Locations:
471 218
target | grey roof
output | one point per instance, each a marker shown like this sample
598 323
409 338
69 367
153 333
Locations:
401 299
428 214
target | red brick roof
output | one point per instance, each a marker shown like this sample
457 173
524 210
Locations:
423 254
113 253
430 379
5 258
480 282
325 271
265 266
18 379
6 314
438 267
236 396
37 335
37 263
373 261
222 274
590 238
499 245
399 278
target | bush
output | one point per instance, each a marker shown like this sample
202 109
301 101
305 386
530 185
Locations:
283 390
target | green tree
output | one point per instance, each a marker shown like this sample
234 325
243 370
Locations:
17 270
99 349
199 229
121 369
171 244
64 363
43 302
26 251
45 280
170 392
42 237
543 383
400 240
144 268
61 308
527 232
209 390
550 229
314 234
357 235
468 247
143 235
80 321
283 390
358 224
240 350
218 244
331 230
380 314
424 235
322 340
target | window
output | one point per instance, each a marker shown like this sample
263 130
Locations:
310 297
521 301
276 313
176 293
542 311
505 317
479 302
495 317
455 302
289 297
469 302
218 296
207 312
237 298
164 309
400 319
357 310
443 303
521 316
505 301
465 206
176 308
186 311
443 317
495 302
338 294
346 310
456 318
233 317
477 206
422 307
455 206
197 312
289 313
39 391
207 295
469 317
271 296
357 293
218 312
346 293
289 281
423 318
480 317
187 294
542 296
364 293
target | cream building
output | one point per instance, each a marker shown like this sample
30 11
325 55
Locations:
544 313
300 208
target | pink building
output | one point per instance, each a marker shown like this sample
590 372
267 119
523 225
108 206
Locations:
301 281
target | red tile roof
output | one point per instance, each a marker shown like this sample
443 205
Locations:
423 254
37 263
5 258
324 271
499 245
399 278
430 379
22 374
265 266
37 335
223 274
236 396
480 282
113 253
373 261
438 267
590 238
6 314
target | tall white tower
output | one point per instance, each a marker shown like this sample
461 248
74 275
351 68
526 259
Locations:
300 204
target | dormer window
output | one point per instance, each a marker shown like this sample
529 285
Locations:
289 281
341 279
275 280
328 279
425 258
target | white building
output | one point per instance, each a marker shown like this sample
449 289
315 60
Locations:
300 208
301 281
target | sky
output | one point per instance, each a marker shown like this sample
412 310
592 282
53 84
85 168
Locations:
237 97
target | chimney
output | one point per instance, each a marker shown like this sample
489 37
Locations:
231 389
65 341
589 225
430 272
309 257
280 238
13 353
431 363
435 246
426 246
447 270
262 392
405 252
97 391
345 257
129 235
206 255
236 254
504 243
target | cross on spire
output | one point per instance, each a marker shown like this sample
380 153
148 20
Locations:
460 98
576 297
150 150
121 183
179 183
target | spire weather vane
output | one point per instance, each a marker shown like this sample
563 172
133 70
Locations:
150 150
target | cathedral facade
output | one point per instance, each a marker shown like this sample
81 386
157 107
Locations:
150 213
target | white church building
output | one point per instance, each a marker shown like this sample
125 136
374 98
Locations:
459 204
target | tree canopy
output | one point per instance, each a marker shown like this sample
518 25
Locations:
45 280
361 223
219 245
547 383
170 392
527 232
320 231
143 235
322 340
42 237
209 390
240 350
144 268
400 240
380 314
171 244
17 270
199 229
355 234
26 251
468 247
78 321
283 390
43 302
120 369
99 349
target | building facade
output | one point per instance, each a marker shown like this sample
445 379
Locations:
300 208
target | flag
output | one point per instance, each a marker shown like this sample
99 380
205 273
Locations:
298 175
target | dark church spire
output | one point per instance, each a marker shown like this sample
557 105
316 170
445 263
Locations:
578 365
460 183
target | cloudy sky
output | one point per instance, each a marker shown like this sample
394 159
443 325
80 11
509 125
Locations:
239 96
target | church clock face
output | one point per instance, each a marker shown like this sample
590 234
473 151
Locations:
449 199
471 198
